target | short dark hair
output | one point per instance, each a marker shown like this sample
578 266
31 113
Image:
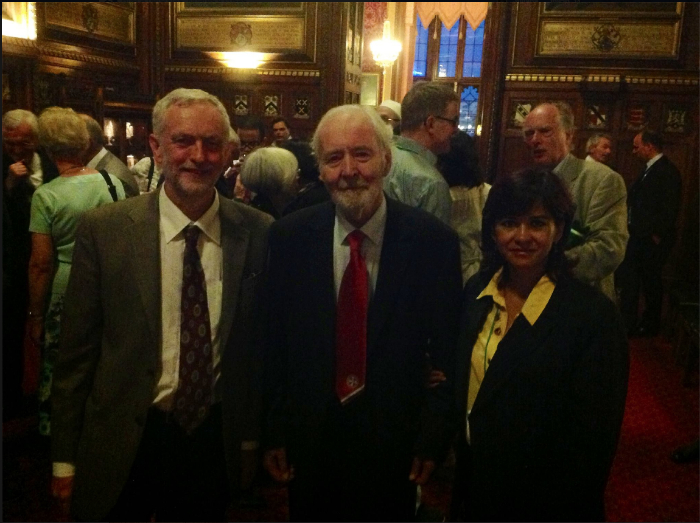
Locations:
653 138
251 122
280 119
516 194
423 100
308 166
460 166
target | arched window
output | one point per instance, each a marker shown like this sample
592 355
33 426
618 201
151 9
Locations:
453 56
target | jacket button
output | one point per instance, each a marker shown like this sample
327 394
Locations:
497 332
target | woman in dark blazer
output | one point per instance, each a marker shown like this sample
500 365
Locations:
542 368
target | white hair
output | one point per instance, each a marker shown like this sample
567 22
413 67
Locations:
16 117
381 131
185 97
269 171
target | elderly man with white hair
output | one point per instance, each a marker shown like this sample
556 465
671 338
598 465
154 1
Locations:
599 232
350 418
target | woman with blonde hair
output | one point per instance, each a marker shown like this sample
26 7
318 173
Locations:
56 208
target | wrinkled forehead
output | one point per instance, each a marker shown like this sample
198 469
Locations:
348 130
543 116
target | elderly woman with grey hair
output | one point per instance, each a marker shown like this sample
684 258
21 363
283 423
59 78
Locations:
56 208
272 174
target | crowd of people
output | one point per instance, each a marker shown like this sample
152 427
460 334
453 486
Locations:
343 312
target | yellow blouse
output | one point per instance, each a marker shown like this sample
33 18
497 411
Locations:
495 325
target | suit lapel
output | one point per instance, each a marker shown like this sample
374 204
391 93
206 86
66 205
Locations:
472 320
321 281
396 251
103 162
144 237
234 244
518 347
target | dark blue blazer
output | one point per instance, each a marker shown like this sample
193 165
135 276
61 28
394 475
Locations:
546 421
414 311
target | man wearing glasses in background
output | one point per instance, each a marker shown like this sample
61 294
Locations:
429 118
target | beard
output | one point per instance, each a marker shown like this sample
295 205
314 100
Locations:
356 199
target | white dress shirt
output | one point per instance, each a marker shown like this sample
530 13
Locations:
653 160
371 246
36 178
172 249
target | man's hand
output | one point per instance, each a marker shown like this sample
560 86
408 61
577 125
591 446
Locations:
62 491
421 471
240 192
435 378
17 172
275 462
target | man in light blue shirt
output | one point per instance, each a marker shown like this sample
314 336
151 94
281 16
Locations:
429 118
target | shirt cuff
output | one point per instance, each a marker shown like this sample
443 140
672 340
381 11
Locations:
63 470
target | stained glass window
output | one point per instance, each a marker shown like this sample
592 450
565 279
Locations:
468 109
473 48
447 61
421 60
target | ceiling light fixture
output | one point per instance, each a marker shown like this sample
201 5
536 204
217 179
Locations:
385 51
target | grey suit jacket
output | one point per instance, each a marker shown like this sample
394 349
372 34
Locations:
109 358
601 205
115 166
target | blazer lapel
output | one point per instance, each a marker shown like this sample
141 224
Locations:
234 243
321 281
472 320
517 348
144 237
396 251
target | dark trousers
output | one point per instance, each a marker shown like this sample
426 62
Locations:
176 477
351 477
641 270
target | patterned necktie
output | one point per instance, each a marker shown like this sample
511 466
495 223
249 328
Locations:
351 324
194 392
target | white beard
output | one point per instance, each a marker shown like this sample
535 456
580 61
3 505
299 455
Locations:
358 204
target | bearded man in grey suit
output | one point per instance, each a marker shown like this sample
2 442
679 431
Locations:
599 232
99 158
155 392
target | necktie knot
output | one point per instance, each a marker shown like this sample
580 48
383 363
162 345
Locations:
191 236
355 240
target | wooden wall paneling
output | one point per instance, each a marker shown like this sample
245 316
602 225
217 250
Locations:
105 27
523 44
17 83
496 34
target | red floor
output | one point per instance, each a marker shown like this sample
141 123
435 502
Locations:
645 485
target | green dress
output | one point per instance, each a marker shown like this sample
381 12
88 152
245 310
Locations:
56 208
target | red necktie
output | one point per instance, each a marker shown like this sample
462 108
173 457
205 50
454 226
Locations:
194 392
351 324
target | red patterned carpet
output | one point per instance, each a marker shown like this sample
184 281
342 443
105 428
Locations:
645 484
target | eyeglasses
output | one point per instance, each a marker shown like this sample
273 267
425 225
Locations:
387 119
454 121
